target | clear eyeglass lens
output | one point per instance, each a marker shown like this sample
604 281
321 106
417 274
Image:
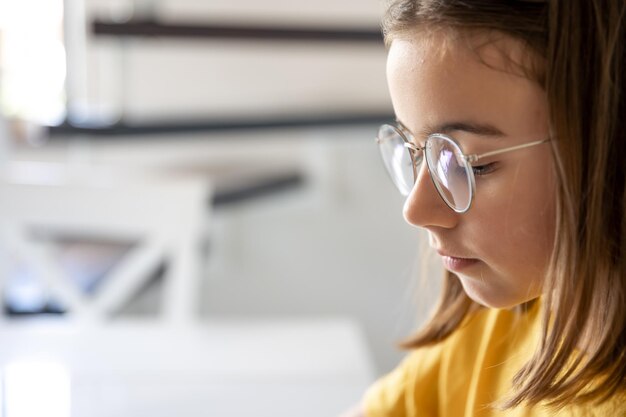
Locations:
397 158
449 172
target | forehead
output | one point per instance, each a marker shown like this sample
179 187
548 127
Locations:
466 78
494 49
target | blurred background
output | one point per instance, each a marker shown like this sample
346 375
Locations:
194 219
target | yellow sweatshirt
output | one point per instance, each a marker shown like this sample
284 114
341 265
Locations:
473 368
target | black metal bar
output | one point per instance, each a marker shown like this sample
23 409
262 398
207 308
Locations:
152 29
256 189
124 129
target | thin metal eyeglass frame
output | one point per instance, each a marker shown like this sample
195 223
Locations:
467 159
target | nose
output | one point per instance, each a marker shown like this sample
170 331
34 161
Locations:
424 207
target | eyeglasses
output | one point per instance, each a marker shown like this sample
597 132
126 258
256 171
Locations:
450 169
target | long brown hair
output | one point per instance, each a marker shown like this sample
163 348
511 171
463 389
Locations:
582 47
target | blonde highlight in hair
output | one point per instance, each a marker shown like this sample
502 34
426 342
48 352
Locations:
581 51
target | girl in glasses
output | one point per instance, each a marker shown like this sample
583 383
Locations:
510 148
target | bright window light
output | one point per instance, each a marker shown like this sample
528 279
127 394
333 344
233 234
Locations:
32 60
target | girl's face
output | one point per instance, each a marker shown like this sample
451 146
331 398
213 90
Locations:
501 247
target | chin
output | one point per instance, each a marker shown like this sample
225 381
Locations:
487 295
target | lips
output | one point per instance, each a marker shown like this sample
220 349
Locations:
456 263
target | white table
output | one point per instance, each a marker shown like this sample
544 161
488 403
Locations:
283 367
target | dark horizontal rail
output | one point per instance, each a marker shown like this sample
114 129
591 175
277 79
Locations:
123 129
260 188
153 29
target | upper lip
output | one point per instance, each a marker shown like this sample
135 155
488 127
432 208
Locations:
448 254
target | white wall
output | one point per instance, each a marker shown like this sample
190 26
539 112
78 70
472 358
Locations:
155 78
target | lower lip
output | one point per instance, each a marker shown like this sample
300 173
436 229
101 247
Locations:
457 264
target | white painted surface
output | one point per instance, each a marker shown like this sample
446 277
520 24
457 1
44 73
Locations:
312 367
252 79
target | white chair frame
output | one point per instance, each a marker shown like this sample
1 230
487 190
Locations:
166 218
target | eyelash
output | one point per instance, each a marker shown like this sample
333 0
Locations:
482 170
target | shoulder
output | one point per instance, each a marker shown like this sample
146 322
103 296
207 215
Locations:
412 388
482 343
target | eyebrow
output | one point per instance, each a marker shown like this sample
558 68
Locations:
480 129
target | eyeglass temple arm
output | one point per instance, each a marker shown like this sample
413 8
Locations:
474 158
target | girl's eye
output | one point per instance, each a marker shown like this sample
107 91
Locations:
481 170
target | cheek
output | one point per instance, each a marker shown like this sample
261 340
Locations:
517 230
537 207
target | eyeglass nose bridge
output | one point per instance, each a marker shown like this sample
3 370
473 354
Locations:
413 147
